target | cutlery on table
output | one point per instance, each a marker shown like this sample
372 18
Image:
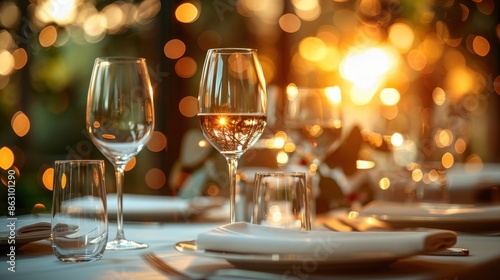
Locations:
162 266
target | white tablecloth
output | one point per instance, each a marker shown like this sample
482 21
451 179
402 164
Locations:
36 260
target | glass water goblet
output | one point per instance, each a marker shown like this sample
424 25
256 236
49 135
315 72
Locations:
313 120
232 106
120 121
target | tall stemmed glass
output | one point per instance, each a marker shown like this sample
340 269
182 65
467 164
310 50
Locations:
313 119
232 105
120 121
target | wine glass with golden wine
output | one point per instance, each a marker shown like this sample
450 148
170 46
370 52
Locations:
232 106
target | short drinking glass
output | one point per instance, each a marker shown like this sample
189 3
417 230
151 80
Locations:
79 228
281 200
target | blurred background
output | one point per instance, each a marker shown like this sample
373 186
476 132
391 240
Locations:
419 79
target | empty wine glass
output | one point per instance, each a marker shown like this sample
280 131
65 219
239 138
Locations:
313 120
232 105
120 121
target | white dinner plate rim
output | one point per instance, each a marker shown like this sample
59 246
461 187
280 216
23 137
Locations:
280 261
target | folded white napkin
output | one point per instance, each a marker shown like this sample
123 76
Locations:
250 238
27 229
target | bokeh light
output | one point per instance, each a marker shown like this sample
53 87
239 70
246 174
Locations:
289 23
155 178
174 49
158 142
48 178
6 158
189 106
185 67
20 124
187 13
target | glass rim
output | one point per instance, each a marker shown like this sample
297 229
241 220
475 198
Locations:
78 161
120 58
232 50
281 173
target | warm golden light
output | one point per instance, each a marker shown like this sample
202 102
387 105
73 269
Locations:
289 23
20 124
397 139
188 106
362 96
291 91
282 158
389 96
63 182
20 58
312 48
187 13
95 26
9 14
417 175
364 164
155 178
384 183
481 45
174 49
158 142
289 147
366 69
48 179
447 160
334 95
48 36
443 138
401 36
131 164
38 208
473 164
185 67
417 60
60 12
202 144
460 146
459 81
108 136
6 63
438 96
6 158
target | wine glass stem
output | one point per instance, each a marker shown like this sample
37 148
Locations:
232 164
119 174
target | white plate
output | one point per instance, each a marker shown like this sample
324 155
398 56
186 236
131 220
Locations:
284 262
459 217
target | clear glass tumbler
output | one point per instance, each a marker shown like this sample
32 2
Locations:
281 200
79 228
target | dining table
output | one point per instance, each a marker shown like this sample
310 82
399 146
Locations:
36 260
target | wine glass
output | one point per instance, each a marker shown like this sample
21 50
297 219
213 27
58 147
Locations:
120 121
232 106
313 120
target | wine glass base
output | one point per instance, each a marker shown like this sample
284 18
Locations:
123 244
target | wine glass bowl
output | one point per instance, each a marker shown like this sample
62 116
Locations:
313 119
120 121
232 105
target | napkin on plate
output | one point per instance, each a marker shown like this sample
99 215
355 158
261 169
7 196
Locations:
256 239
27 229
